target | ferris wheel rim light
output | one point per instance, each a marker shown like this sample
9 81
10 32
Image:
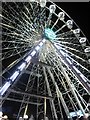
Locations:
87 50
52 8
82 40
42 3
61 16
76 31
69 24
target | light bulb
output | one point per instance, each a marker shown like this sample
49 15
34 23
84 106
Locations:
42 3
5 117
61 16
1 113
25 116
52 8
69 24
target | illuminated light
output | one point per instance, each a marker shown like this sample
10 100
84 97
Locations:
89 60
20 117
22 66
83 77
83 41
14 76
4 88
37 48
46 118
49 34
69 24
58 47
62 52
76 31
42 3
5 117
52 8
87 51
33 53
76 69
25 117
44 40
28 59
1 113
68 60
76 113
41 43
86 115
61 16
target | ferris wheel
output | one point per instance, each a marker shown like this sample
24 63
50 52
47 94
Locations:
45 61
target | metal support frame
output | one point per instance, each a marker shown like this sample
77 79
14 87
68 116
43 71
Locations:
32 95
71 85
59 94
50 94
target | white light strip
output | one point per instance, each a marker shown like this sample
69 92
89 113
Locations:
4 88
28 59
33 53
58 47
68 60
22 66
41 44
62 52
44 40
14 76
76 69
37 48
83 77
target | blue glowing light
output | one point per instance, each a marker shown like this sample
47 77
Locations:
49 34
77 113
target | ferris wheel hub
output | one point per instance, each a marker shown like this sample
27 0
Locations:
49 34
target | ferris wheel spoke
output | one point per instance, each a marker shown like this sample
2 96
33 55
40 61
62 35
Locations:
11 54
63 84
60 71
65 34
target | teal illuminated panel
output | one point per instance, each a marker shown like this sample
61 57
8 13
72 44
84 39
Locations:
49 34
